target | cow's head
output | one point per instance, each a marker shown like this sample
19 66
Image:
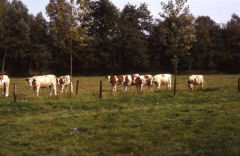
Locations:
149 80
29 80
190 86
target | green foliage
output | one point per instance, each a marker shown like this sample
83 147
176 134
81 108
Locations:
107 40
179 28
134 26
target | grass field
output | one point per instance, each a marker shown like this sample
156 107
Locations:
202 122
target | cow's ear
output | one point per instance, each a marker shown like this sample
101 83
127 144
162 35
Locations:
27 79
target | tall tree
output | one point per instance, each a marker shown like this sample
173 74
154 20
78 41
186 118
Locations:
232 43
17 39
3 14
41 56
179 30
104 29
68 27
134 24
204 50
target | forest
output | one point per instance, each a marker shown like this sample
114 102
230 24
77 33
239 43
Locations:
106 40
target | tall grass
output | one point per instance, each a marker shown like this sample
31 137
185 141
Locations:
202 122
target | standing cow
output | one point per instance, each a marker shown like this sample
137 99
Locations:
195 80
64 82
44 81
116 80
163 79
5 79
143 80
127 82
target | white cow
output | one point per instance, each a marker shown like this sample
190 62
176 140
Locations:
163 79
64 81
194 80
44 81
5 79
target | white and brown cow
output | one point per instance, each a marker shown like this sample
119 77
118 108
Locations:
44 81
195 80
5 79
163 79
128 81
142 80
64 82
116 80
134 76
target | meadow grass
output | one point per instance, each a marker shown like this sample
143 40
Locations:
201 122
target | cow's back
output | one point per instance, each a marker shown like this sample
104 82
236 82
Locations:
45 80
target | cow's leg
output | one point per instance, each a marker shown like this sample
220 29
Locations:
37 90
54 89
34 91
71 87
62 88
7 91
115 88
66 89
126 88
141 87
159 86
201 85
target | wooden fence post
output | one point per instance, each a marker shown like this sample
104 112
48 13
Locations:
100 93
4 89
15 93
239 85
77 87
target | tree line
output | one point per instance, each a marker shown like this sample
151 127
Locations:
103 39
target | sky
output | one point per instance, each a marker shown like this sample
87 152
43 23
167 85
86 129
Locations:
219 10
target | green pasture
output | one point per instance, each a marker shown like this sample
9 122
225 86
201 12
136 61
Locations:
201 122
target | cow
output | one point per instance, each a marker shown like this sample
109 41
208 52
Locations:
162 79
64 81
194 80
127 82
134 76
5 79
142 80
44 81
116 80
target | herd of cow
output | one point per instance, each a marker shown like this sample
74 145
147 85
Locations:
149 80
51 82
44 81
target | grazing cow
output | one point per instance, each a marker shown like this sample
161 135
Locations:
64 81
44 81
5 79
162 79
142 80
194 80
116 80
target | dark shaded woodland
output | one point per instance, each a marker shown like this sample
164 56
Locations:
118 41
